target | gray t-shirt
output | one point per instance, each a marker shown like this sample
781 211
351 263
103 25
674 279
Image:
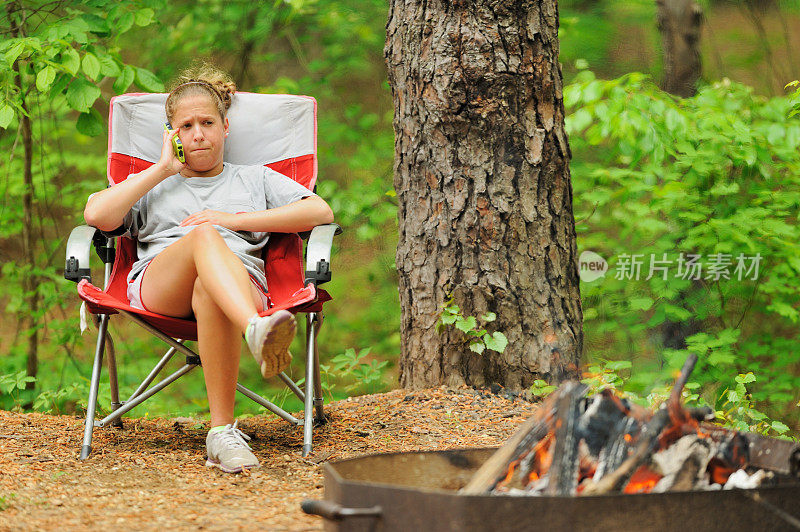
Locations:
156 217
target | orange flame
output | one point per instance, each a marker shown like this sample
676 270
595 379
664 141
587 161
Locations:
643 480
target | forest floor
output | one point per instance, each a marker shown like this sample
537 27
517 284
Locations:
152 474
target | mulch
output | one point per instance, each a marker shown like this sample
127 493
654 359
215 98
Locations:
151 475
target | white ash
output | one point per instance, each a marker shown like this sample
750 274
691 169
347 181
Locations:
688 451
741 480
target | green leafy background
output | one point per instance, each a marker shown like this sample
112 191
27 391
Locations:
652 175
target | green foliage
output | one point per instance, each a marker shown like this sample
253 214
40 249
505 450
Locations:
353 367
478 337
53 401
660 179
12 383
747 41
540 388
55 62
794 97
605 374
67 58
735 408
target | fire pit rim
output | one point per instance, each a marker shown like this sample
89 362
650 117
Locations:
329 469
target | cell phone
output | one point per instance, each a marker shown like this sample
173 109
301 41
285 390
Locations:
177 145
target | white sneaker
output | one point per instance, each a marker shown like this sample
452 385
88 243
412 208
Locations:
228 450
269 338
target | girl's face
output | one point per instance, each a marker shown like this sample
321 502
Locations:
202 132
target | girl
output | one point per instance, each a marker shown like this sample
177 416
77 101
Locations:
200 227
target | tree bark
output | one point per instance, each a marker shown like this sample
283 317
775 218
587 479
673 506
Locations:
484 194
679 22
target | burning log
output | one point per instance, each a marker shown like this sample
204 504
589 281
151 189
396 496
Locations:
646 444
650 437
563 471
577 445
503 464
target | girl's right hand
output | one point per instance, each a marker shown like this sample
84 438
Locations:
168 160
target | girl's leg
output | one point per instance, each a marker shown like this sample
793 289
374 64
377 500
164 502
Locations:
219 342
176 284
168 282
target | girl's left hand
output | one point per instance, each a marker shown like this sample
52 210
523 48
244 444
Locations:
224 219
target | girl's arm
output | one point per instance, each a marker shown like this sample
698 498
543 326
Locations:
301 215
106 209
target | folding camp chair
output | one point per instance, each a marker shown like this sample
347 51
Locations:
278 131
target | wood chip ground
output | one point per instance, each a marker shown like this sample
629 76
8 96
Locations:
151 475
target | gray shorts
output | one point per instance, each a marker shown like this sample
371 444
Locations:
135 292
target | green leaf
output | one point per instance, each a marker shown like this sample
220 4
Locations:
6 115
124 80
71 60
90 124
77 29
91 66
81 95
449 319
733 397
14 52
145 17
108 66
489 317
148 81
477 346
779 427
96 24
641 303
45 78
496 342
60 84
743 378
616 365
125 22
466 324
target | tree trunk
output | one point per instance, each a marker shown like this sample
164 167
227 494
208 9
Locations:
484 193
679 22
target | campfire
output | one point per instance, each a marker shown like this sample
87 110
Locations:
577 445
580 462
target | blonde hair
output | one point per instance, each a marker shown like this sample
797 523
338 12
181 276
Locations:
201 78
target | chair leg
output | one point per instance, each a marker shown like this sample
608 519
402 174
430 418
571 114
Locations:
111 359
320 415
308 419
91 407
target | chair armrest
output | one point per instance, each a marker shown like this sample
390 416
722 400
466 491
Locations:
79 246
318 253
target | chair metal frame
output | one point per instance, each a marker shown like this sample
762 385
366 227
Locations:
77 268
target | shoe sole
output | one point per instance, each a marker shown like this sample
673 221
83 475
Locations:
218 465
275 356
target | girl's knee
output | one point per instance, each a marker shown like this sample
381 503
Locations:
205 231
